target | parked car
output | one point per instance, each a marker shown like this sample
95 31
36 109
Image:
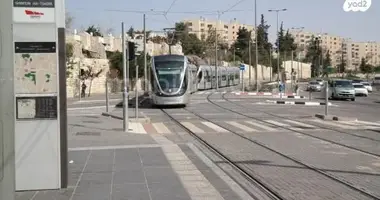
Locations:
368 86
357 81
314 86
360 90
341 89
320 81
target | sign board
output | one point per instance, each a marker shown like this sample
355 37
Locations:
242 67
36 108
35 67
34 11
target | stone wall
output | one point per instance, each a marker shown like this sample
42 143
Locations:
264 72
96 86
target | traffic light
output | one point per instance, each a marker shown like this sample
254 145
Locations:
131 50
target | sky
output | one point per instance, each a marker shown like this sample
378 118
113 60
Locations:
325 16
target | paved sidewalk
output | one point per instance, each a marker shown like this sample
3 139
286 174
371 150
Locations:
107 163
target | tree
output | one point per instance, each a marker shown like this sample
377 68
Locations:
90 73
131 32
326 63
313 52
94 30
365 68
241 45
70 63
116 62
263 44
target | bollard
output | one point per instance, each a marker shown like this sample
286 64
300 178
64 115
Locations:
326 99
309 95
107 97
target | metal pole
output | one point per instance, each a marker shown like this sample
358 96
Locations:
310 95
278 52
216 51
80 89
136 91
145 62
125 79
242 72
107 97
270 64
256 50
250 62
326 98
291 74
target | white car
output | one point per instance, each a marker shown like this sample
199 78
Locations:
360 90
368 86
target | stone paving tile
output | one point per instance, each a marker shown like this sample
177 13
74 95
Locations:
349 165
289 179
215 180
130 192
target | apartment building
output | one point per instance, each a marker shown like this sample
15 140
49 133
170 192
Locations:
352 52
331 43
226 30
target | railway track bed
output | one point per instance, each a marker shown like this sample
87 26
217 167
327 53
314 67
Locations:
289 164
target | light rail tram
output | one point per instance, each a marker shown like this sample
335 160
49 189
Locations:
174 79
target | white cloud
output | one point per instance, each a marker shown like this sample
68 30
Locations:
357 5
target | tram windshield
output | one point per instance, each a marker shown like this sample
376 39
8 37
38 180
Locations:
169 74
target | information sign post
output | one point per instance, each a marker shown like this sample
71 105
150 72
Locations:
7 119
242 69
40 94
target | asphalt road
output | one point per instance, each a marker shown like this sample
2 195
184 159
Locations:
298 156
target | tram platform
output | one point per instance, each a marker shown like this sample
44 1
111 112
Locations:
110 164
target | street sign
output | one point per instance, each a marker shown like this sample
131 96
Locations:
242 67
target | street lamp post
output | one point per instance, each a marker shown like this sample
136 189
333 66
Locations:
278 43
256 51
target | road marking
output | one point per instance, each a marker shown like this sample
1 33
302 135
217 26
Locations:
192 127
137 128
334 124
368 123
93 107
241 126
89 101
299 123
215 127
267 128
161 128
277 123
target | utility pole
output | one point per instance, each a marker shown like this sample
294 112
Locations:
125 79
250 62
278 45
216 52
80 89
145 61
256 51
270 64
136 92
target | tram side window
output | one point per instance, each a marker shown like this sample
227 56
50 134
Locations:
224 77
236 76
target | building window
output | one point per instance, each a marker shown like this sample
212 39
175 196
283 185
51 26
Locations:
225 26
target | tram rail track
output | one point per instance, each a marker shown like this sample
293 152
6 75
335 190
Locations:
308 166
270 193
297 131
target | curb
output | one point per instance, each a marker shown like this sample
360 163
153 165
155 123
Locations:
299 103
289 97
141 120
263 93
334 118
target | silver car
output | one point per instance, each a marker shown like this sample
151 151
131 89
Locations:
314 86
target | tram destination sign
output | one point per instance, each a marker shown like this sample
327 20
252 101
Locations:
34 3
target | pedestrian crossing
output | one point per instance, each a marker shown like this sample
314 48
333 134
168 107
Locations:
252 126
210 92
